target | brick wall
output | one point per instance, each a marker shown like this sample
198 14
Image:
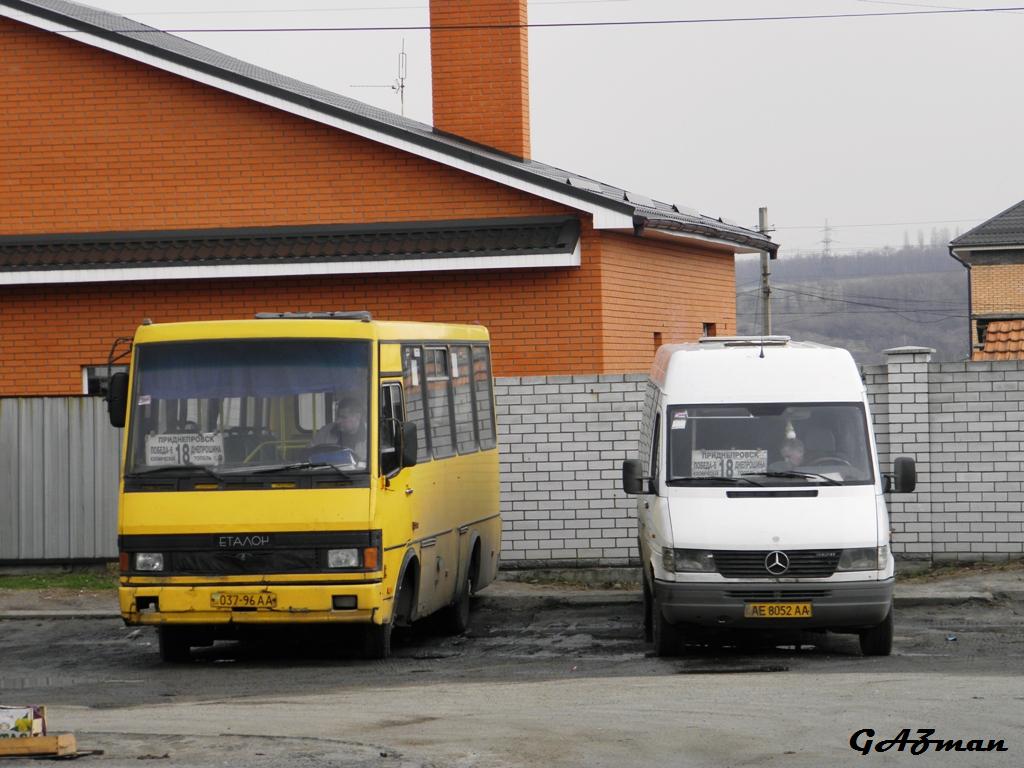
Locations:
96 142
962 424
653 287
563 440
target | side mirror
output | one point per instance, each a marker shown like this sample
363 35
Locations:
633 480
117 399
409 444
905 475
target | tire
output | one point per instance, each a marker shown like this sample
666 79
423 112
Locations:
456 615
377 640
877 641
648 611
668 639
174 644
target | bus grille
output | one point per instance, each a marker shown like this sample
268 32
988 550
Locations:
803 563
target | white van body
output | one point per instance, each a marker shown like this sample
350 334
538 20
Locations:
732 536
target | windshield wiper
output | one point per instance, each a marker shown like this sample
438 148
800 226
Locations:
295 466
177 467
712 479
792 473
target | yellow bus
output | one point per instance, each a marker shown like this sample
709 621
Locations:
305 468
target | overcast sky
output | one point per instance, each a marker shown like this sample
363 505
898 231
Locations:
886 127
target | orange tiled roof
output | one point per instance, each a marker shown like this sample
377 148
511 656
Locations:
1004 340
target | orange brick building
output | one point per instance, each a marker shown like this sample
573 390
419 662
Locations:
148 177
993 253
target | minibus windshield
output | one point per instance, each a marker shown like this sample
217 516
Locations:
769 443
225 407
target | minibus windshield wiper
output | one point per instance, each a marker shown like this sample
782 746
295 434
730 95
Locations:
178 467
298 465
712 479
792 473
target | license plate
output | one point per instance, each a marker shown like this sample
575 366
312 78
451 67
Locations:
243 600
777 611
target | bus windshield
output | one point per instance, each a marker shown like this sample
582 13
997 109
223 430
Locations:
769 444
247 404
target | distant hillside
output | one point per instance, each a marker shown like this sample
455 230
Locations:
867 302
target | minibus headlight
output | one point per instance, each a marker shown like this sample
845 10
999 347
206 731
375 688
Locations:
343 558
864 559
149 561
689 560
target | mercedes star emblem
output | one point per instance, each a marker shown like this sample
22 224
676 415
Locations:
776 563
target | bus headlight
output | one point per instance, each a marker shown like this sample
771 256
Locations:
149 561
864 559
343 558
689 560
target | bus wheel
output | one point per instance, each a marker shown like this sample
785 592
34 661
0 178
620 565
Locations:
877 641
648 611
377 640
456 617
668 640
174 644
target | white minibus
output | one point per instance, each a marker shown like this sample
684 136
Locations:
759 496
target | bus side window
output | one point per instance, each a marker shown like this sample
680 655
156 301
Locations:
483 396
412 379
392 414
442 437
462 388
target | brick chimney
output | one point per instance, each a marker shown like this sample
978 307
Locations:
481 76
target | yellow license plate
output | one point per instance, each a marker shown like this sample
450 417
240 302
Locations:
777 611
243 600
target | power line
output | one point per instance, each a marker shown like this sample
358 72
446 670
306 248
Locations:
881 224
582 24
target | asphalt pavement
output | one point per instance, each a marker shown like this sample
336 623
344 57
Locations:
967 585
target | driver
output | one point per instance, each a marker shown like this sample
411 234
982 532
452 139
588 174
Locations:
792 451
346 430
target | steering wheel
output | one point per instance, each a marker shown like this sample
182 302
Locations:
822 460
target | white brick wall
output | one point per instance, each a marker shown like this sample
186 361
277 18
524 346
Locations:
563 440
963 425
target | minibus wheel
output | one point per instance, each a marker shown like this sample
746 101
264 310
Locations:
174 644
877 641
648 611
668 639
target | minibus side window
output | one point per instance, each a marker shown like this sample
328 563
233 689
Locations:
412 377
439 403
483 398
465 427
655 451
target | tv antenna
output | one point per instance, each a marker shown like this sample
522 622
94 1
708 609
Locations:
398 86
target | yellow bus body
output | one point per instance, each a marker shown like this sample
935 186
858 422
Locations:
437 522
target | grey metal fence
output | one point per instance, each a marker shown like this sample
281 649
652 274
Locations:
59 461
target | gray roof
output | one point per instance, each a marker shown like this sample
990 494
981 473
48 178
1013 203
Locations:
646 213
1004 229
294 245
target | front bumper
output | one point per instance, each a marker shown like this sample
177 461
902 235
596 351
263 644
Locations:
842 606
293 604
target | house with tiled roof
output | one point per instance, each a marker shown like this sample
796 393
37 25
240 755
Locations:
993 253
147 176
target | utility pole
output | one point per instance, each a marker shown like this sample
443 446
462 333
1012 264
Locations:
827 242
766 290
